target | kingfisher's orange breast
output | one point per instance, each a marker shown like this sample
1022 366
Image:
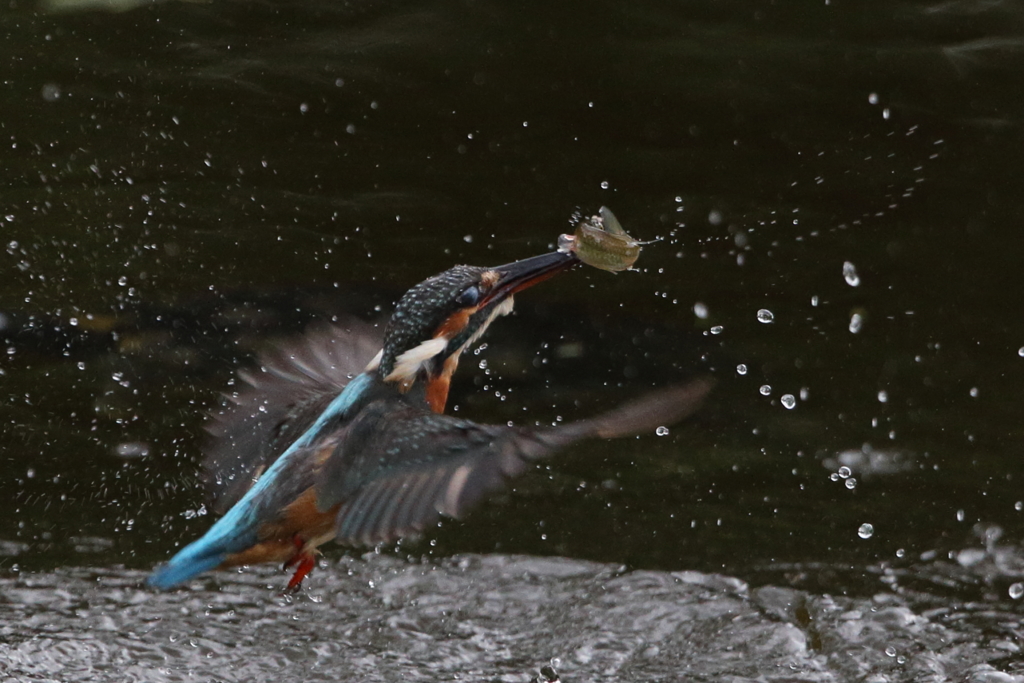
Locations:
437 387
300 522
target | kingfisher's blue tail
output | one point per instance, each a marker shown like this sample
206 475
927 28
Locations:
238 530
183 567
223 539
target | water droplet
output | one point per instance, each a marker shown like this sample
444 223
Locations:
883 396
715 217
468 239
741 369
130 450
805 393
717 329
1020 352
51 92
123 280
661 431
604 184
788 401
765 316
700 310
974 392
1016 590
765 389
960 515
866 530
873 98
1019 505
856 322
890 651
850 274
814 300
851 483
844 472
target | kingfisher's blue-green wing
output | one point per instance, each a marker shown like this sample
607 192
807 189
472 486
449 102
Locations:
396 472
280 399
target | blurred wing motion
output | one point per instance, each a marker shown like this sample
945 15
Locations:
396 472
391 469
282 397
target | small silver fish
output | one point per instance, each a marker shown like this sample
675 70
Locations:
601 242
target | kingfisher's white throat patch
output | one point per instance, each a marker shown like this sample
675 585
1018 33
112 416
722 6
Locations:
408 364
504 308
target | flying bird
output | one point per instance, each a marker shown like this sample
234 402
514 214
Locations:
322 447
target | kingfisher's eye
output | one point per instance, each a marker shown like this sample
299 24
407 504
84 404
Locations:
469 297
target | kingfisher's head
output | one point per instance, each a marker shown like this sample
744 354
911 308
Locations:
438 318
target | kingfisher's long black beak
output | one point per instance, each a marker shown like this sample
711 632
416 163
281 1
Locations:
517 276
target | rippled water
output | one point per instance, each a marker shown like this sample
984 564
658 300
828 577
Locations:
490 618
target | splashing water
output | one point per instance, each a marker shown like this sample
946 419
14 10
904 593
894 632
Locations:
850 274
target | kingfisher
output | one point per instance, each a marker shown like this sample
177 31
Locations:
316 449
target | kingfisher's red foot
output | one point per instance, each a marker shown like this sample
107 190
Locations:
303 563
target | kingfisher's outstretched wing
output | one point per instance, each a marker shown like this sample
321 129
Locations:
396 471
281 398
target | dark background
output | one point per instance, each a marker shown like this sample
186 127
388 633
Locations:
184 183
